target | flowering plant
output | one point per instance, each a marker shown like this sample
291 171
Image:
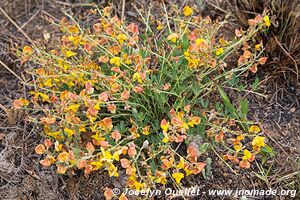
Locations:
118 98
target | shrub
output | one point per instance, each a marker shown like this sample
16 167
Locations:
115 97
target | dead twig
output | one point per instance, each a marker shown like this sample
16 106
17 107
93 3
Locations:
30 19
123 10
11 71
49 15
287 53
217 7
73 4
17 26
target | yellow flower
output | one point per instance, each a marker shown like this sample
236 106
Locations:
73 107
267 21
187 171
186 55
107 10
254 129
75 39
108 157
238 147
160 177
18 103
82 129
185 126
58 146
116 61
73 29
43 96
181 163
178 177
173 37
70 53
62 64
55 135
165 139
146 130
258 141
97 106
24 101
187 11
52 159
70 83
113 171
48 83
116 156
240 137
192 62
27 50
121 38
69 132
247 155
126 59
137 76
159 25
219 51
164 125
199 41
222 41
98 164
139 186
257 46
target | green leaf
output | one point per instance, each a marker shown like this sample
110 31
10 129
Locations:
207 173
141 116
201 128
201 101
263 159
227 101
122 126
135 113
244 198
242 87
255 84
153 166
76 150
185 43
234 80
260 176
268 150
206 103
244 108
203 148
219 107
230 108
